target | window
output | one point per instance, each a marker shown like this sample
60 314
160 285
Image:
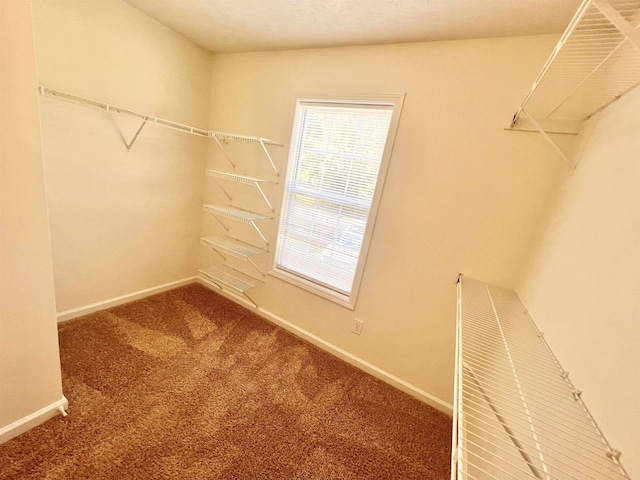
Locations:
337 164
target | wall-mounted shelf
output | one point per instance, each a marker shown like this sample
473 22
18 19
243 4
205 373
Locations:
241 179
596 61
516 413
223 137
237 215
87 102
243 138
230 278
234 248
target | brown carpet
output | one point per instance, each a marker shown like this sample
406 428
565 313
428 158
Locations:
188 385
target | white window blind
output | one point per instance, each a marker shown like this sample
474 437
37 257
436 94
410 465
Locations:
331 183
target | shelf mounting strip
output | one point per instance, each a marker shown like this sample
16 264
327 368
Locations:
595 62
516 413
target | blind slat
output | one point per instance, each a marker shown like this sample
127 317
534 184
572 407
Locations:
329 191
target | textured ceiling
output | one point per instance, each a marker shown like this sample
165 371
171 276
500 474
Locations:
258 25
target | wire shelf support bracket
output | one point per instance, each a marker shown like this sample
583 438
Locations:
516 413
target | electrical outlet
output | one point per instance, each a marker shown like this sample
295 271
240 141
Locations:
357 326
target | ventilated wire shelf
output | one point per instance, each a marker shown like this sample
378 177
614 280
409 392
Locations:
229 278
516 414
242 216
596 61
241 179
243 138
232 177
227 246
234 213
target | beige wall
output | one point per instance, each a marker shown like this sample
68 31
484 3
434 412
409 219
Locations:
121 221
461 195
29 363
582 288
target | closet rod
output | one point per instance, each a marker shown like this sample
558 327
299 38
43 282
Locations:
225 136
123 111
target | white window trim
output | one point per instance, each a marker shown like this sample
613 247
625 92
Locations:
394 100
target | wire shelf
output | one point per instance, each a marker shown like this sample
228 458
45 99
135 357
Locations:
234 213
596 61
243 138
233 177
229 278
516 413
235 248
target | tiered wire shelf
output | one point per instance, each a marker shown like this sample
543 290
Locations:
230 278
243 180
516 413
232 247
242 216
226 247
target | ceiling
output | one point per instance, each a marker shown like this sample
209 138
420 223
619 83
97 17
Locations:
257 25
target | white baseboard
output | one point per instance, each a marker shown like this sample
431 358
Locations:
336 351
130 297
36 418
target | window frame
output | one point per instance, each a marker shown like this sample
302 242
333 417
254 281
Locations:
396 102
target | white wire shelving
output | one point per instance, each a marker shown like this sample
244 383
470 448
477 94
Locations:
223 137
229 246
106 107
596 61
231 279
243 180
516 413
226 247
238 215
224 277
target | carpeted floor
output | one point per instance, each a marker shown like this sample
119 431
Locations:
188 385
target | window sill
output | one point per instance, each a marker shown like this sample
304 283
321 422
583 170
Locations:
339 298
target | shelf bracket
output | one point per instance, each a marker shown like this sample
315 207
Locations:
264 239
135 137
224 152
264 196
220 222
546 136
264 147
224 191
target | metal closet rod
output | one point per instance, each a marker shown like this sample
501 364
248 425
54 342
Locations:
152 119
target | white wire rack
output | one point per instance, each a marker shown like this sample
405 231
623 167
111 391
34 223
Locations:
516 413
237 215
231 279
241 179
223 137
217 136
596 61
235 248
